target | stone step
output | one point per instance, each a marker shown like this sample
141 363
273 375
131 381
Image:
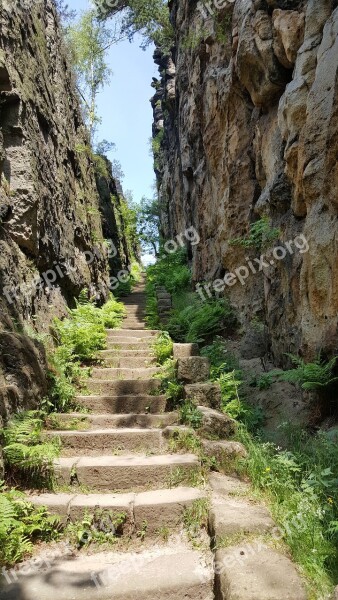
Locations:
124 404
114 344
133 325
110 441
125 472
134 339
176 573
132 333
254 571
111 421
126 353
123 387
130 362
159 508
123 373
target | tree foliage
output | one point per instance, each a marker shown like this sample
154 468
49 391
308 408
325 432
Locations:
89 39
149 224
150 18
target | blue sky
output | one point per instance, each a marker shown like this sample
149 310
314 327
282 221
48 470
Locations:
126 112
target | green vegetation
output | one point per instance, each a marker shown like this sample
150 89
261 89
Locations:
169 384
300 485
79 337
150 18
163 347
191 319
22 525
88 40
260 237
28 457
101 527
310 376
149 225
190 415
195 518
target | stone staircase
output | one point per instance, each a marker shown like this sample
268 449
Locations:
121 463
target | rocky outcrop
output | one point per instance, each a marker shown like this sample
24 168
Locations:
247 105
51 238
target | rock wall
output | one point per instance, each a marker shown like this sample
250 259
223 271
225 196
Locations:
247 105
51 238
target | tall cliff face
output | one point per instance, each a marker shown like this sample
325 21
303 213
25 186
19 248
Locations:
249 105
51 238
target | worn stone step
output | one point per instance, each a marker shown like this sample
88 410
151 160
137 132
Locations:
111 421
109 441
124 404
124 373
130 362
234 516
159 508
253 571
176 573
132 333
124 472
114 344
131 339
122 387
121 353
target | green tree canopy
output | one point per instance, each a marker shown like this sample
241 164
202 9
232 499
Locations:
150 18
149 225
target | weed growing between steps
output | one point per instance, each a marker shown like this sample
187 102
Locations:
102 527
163 347
195 519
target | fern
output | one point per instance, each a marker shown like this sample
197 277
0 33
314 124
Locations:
27 455
311 376
21 525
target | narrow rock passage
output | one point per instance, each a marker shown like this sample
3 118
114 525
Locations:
122 464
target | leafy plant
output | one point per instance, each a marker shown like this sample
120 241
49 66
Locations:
28 456
21 525
190 415
163 347
100 527
261 235
310 376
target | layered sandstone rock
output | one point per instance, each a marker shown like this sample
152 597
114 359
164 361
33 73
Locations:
248 102
51 238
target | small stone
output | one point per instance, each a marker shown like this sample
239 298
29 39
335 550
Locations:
193 369
185 350
216 423
336 594
204 394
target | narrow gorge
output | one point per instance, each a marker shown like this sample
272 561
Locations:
168 366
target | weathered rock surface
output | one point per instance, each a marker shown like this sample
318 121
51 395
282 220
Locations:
216 423
204 394
185 350
193 369
223 451
250 130
51 238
